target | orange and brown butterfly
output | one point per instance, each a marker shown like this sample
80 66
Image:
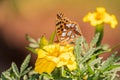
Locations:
66 30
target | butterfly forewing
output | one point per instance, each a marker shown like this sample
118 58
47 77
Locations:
67 31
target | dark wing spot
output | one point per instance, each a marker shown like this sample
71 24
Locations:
61 29
58 28
62 26
58 31
58 23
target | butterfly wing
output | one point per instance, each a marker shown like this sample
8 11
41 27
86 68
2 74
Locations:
66 30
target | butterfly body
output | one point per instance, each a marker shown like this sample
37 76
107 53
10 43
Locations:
66 30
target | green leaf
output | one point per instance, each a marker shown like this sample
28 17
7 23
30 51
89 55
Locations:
86 47
30 39
108 62
34 45
35 77
79 49
90 69
31 49
80 40
26 71
83 68
25 77
111 67
25 64
77 52
52 38
117 59
57 73
113 76
15 70
96 76
95 61
94 40
88 55
43 42
98 52
6 75
33 42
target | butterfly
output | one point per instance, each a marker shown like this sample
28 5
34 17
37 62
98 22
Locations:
67 31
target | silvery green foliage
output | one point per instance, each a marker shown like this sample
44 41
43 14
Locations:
13 73
33 43
89 65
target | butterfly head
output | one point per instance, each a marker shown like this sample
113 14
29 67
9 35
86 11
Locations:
60 15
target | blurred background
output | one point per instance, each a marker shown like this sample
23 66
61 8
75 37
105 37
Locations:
37 17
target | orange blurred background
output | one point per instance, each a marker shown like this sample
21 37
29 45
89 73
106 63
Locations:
36 17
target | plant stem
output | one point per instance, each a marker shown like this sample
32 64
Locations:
99 29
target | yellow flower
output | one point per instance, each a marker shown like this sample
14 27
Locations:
52 56
100 17
85 77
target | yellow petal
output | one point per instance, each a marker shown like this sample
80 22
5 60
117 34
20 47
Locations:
113 22
42 65
41 53
49 67
100 17
100 9
52 56
71 65
39 65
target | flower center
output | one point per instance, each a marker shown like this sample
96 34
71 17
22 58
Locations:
98 16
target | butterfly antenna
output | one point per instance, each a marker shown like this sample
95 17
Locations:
59 15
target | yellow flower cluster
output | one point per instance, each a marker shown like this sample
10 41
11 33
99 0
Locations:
54 55
100 17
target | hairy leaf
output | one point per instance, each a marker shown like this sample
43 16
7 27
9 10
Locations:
94 40
52 38
25 64
15 70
